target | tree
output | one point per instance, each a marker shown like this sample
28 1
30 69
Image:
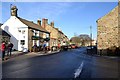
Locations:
75 40
85 39
82 39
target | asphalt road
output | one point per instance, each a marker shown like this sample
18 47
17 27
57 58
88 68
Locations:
67 64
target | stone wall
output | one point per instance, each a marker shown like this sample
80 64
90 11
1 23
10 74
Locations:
53 32
119 25
56 36
30 42
108 31
53 35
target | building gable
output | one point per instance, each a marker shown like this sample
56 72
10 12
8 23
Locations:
12 23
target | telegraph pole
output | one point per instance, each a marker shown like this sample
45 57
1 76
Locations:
91 36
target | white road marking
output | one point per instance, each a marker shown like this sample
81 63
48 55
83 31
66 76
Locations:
79 70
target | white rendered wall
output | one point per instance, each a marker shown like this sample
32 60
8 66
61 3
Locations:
23 36
38 42
11 27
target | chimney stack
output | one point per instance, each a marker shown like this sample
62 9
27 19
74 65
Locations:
39 22
52 24
44 22
14 11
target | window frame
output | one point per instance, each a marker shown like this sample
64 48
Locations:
22 42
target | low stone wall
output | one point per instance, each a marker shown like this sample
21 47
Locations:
112 51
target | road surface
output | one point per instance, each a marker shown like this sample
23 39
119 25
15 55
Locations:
73 63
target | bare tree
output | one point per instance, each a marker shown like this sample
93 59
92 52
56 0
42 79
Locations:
82 39
75 40
85 39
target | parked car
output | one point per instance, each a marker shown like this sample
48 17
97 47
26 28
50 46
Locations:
89 47
65 47
73 46
92 50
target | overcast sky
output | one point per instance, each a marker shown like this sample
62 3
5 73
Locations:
71 17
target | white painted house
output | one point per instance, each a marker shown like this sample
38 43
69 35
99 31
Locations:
23 33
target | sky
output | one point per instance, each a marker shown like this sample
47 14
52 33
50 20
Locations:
73 18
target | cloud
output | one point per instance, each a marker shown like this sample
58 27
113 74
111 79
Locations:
52 10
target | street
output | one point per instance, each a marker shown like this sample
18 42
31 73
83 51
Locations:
73 63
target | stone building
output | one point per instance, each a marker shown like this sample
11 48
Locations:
62 37
53 32
56 35
24 34
66 39
108 34
4 36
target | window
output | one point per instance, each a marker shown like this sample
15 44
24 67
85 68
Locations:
35 33
19 30
47 35
23 32
23 36
32 31
22 42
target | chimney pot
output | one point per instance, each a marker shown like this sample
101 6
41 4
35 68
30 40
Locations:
14 11
44 22
52 24
39 22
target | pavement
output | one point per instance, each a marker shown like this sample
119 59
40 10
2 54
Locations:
18 53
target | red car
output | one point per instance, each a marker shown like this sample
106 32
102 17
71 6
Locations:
73 46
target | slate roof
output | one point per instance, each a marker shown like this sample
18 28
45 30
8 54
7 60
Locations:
2 32
32 25
1 24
